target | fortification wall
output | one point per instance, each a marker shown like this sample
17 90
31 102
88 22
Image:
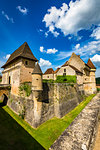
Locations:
55 100
82 131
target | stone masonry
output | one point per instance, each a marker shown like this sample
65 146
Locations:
81 133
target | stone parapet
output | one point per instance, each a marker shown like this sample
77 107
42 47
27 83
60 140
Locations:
81 133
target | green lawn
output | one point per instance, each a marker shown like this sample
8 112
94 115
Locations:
46 133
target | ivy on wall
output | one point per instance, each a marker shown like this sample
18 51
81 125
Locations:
25 88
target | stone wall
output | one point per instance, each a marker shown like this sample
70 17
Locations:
80 135
55 100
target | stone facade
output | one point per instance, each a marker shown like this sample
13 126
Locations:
55 100
85 73
18 69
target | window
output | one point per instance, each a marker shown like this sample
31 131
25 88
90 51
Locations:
64 74
64 70
47 76
26 63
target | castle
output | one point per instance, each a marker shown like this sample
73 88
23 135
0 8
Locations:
46 100
85 73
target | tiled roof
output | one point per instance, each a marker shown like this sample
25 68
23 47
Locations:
49 71
23 51
56 70
90 64
65 64
75 69
37 69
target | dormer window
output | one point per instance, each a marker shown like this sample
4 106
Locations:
26 62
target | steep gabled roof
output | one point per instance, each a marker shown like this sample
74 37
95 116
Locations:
23 51
90 64
75 69
56 70
49 71
65 64
37 69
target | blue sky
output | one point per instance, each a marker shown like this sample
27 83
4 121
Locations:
52 28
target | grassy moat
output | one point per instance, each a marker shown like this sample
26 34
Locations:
16 134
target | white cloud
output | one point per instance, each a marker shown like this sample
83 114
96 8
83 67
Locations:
7 56
96 60
63 55
46 34
41 30
7 17
44 63
97 74
48 51
24 10
74 17
96 33
77 46
52 51
41 49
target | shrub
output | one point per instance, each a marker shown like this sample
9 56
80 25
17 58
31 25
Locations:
98 89
25 87
66 79
48 81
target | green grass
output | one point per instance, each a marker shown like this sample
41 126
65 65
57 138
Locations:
13 136
49 131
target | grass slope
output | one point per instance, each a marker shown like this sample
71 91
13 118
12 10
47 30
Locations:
13 136
49 131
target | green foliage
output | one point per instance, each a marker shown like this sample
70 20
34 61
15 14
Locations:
0 80
48 81
49 131
66 79
98 80
98 89
25 87
22 114
62 79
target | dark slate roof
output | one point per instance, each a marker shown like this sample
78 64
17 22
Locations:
90 64
49 71
56 70
75 69
37 69
23 51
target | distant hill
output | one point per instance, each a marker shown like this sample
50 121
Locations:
98 80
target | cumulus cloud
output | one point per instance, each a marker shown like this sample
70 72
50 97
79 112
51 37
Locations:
77 46
24 10
44 63
74 17
96 60
7 56
52 51
96 33
48 51
41 49
97 72
7 17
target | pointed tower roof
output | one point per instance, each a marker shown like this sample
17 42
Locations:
37 69
23 51
90 64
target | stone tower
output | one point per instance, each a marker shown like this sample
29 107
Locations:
37 93
37 78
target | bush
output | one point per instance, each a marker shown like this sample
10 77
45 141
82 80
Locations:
25 87
66 79
48 81
98 89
